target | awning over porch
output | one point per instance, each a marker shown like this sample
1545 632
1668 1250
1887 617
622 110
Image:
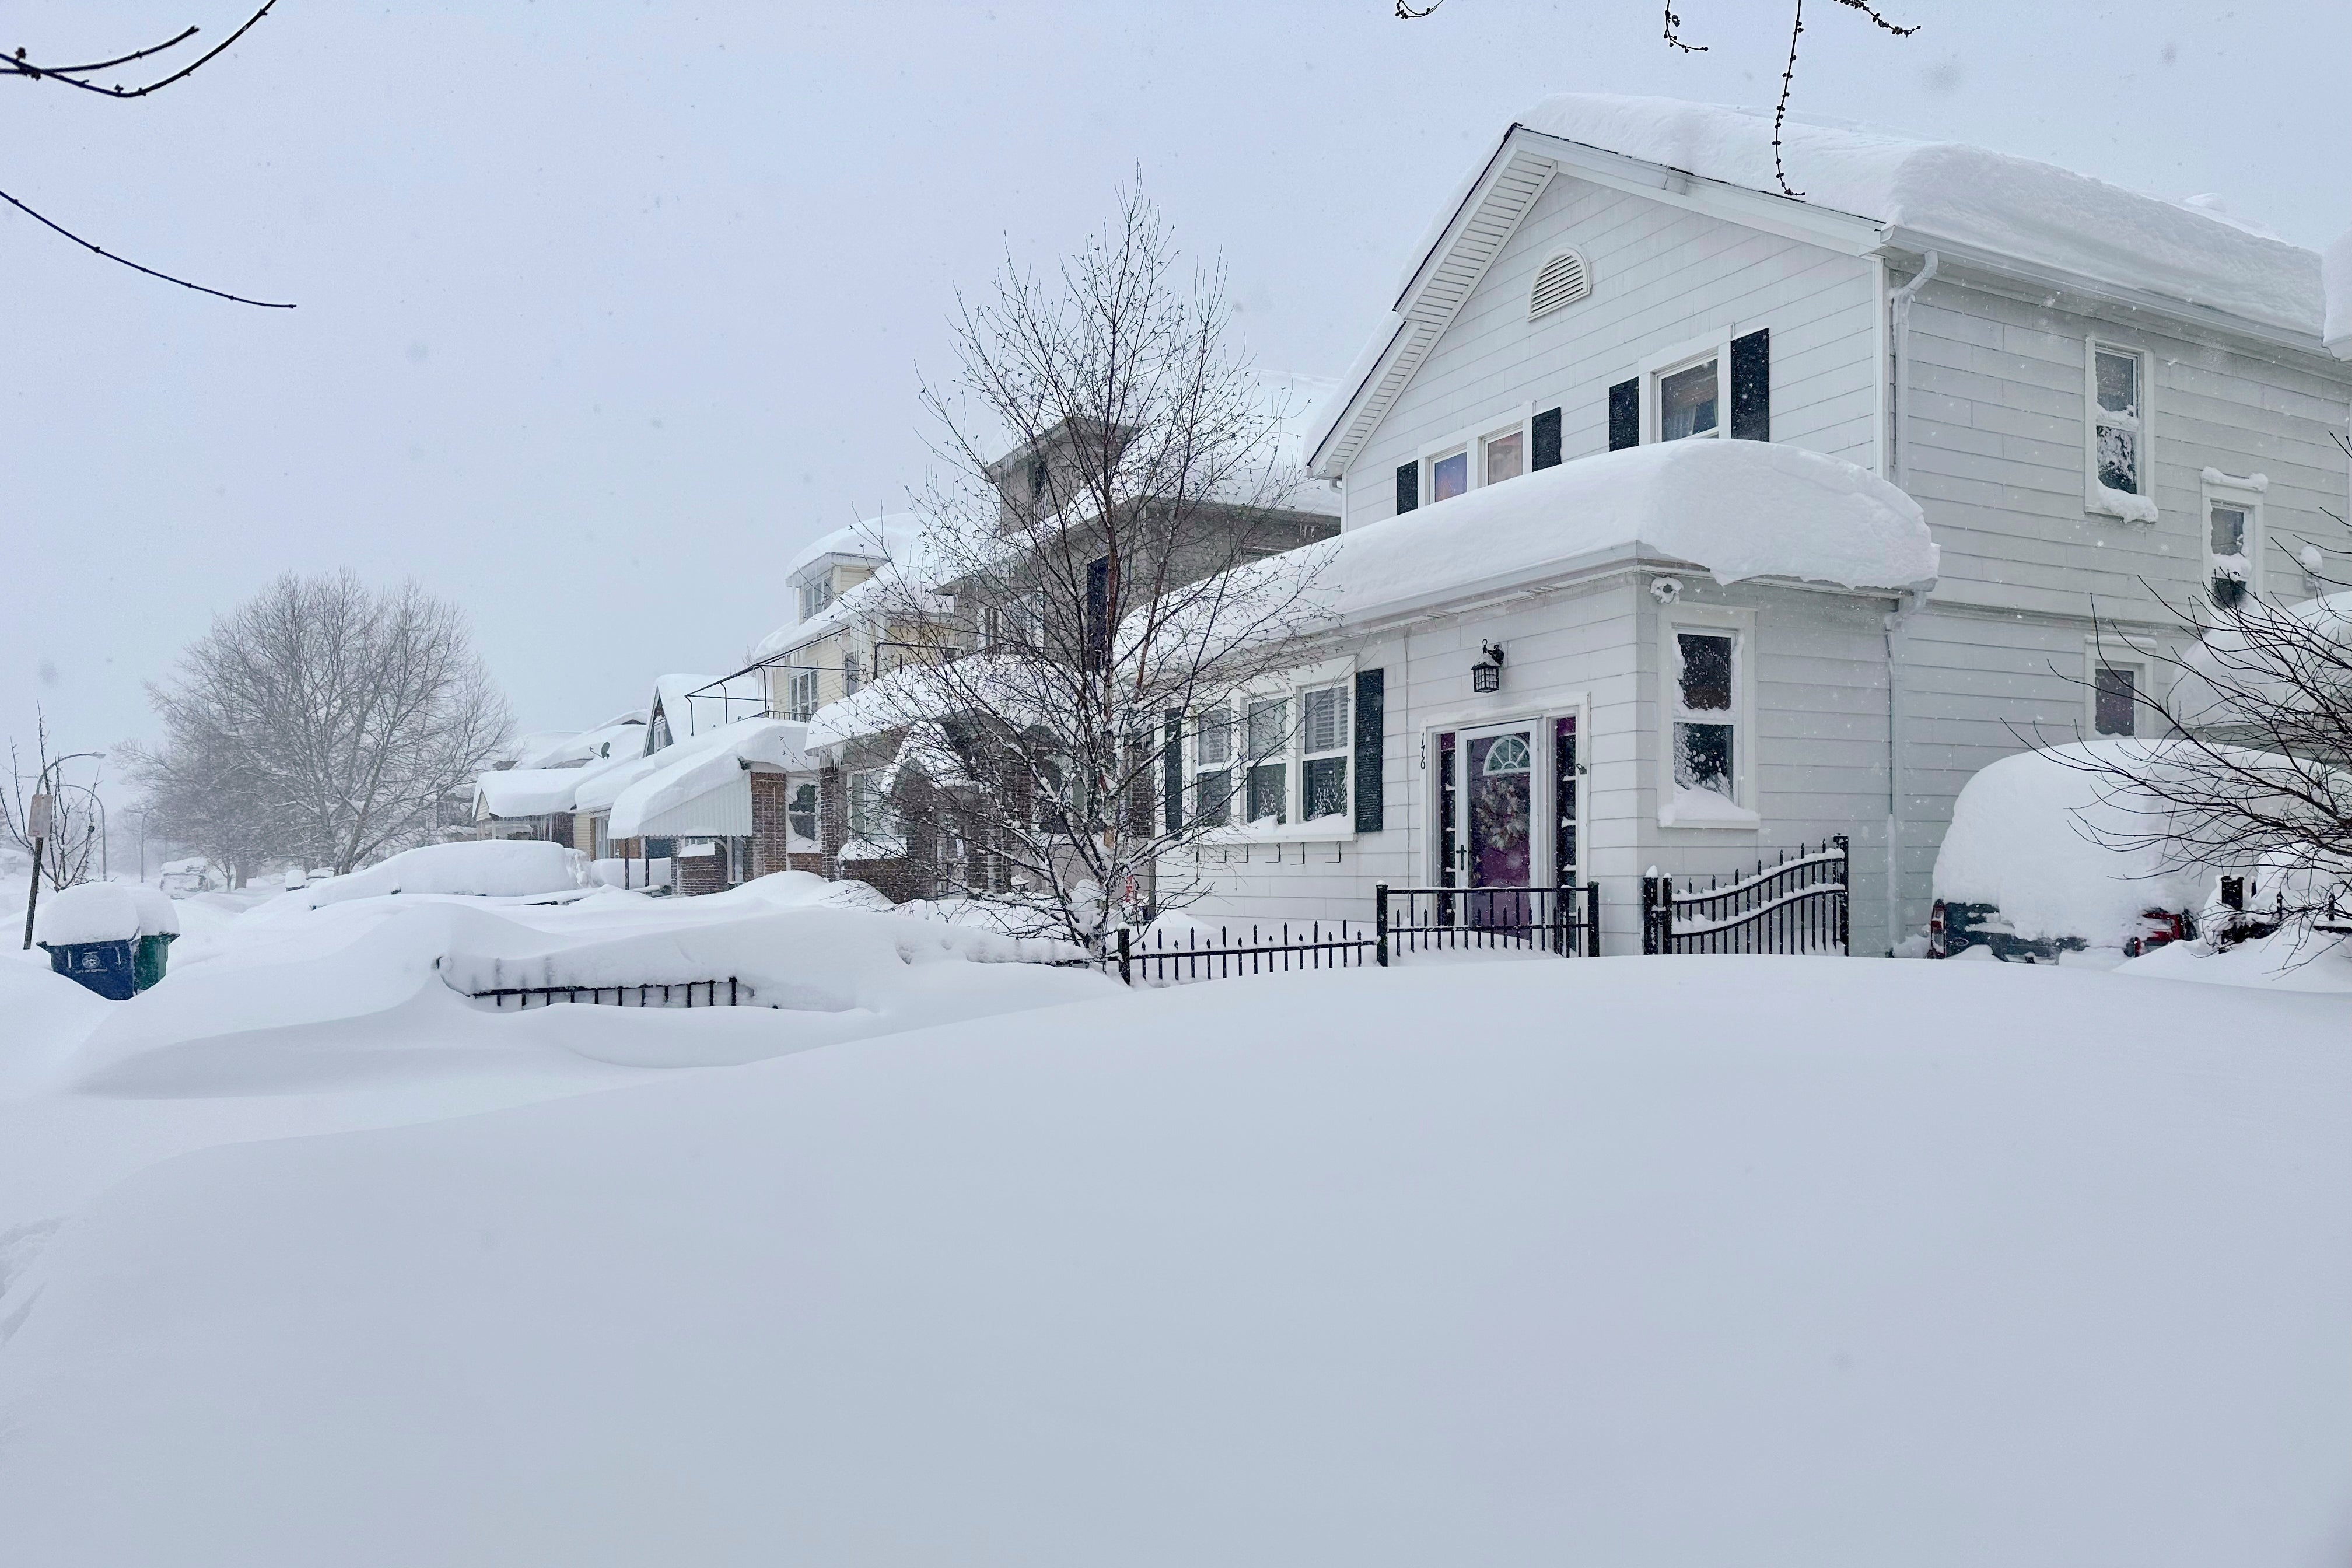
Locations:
703 786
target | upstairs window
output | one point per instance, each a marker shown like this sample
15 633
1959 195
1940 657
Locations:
1689 400
2228 552
815 594
853 674
801 696
2115 448
1504 457
1449 476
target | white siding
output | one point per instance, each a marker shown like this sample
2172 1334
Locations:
1661 274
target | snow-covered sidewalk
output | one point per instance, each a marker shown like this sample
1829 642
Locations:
1674 1261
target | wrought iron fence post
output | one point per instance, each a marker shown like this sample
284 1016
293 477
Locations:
1654 895
1381 925
1126 976
1845 897
1591 891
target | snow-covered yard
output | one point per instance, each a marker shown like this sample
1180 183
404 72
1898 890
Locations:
1677 1261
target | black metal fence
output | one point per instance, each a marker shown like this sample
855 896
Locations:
728 993
1563 920
1796 905
1177 958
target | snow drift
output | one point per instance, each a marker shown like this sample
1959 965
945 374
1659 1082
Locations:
1668 1261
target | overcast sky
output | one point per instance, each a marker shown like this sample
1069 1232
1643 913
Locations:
606 307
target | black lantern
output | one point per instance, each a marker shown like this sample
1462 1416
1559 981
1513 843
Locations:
1486 675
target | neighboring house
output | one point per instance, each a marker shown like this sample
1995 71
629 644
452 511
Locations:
2097 398
867 791
683 710
530 795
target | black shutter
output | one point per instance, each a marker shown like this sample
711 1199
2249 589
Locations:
1751 386
1547 441
1371 725
1172 770
1625 415
1098 627
1408 486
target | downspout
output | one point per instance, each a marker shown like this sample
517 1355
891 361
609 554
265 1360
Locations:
1906 604
1905 608
1903 297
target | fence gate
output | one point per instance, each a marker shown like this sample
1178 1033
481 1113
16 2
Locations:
1796 905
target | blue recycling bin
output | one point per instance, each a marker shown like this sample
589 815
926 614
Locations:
105 967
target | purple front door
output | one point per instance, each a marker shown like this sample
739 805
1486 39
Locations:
1498 822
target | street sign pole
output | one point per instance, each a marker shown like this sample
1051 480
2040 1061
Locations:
36 822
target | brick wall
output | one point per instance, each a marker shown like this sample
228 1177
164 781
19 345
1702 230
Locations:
702 873
770 794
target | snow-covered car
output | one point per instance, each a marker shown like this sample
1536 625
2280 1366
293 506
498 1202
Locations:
2047 855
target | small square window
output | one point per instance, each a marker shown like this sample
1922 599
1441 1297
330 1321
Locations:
1449 476
1506 456
2115 703
1686 402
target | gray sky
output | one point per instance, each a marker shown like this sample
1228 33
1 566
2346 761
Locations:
606 307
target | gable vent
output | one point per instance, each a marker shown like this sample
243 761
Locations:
1562 281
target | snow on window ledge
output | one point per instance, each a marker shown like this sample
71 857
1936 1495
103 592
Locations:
1704 809
1322 830
2122 504
2258 483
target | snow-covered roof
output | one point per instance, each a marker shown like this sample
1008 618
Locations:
1992 205
892 544
2336 267
524 792
710 760
691 714
1737 509
570 748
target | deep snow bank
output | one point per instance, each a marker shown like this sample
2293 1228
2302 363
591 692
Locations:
1682 1262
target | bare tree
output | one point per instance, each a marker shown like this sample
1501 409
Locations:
1105 564
84 76
68 851
321 719
2256 768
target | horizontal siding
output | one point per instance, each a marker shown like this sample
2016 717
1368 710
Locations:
1660 275
1992 420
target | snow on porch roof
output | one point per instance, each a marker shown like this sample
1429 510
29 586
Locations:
1739 509
711 762
525 792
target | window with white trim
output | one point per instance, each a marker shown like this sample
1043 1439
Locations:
1449 476
1212 767
869 806
817 593
1269 749
1503 455
800 812
1705 726
800 703
1323 752
2116 685
2233 538
1689 399
2115 444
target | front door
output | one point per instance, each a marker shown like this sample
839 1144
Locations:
1497 831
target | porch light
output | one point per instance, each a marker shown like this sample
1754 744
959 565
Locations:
1486 675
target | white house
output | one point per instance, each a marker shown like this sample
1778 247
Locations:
2109 408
